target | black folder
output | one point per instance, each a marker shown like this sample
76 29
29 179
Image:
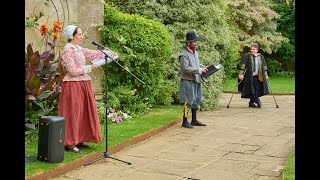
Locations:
211 70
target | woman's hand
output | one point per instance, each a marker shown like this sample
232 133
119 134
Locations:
114 54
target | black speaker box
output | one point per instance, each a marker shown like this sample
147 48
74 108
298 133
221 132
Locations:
51 139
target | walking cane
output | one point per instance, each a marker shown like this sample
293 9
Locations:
236 87
272 94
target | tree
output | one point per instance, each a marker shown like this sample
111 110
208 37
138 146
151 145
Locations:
286 53
256 22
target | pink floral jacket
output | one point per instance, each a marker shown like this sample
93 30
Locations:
74 57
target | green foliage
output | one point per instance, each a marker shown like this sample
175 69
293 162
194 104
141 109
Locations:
287 18
114 115
286 10
43 77
33 21
274 66
30 136
118 133
255 22
289 169
208 19
279 85
230 64
144 47
285 74
101 108
126 99
43 71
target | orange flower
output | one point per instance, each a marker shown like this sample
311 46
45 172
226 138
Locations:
55 35
57 26
44 28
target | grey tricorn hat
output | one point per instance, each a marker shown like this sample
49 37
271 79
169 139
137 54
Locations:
192 37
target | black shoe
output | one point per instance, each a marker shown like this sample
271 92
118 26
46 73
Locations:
253 105
186 124
82 145
259 104
197 123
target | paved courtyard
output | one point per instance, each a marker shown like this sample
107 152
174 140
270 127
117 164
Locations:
238 143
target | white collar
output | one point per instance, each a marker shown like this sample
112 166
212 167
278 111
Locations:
69 45
191 50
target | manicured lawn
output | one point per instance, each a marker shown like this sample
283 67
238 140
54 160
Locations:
117 133
277 85
289 169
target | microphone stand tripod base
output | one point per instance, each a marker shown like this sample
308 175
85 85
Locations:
106 155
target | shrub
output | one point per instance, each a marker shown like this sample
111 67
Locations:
144 47
114 115
209 19
43 77
274 66
287 74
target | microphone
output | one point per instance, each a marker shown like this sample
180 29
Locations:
97 44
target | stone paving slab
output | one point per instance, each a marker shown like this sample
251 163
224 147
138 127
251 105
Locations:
238 143
213 174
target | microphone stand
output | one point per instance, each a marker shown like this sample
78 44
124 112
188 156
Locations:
106 153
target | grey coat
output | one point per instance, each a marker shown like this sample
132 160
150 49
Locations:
190 84
189 66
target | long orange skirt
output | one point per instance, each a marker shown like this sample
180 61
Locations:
77 106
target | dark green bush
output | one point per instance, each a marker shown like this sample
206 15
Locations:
286 9
287 74
144 47
274 66
206 18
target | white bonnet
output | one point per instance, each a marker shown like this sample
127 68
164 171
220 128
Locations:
68 31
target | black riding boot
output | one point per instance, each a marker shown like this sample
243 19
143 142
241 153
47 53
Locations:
194 120
185 123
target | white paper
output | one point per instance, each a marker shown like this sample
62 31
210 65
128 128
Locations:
99 62
218 66
102 61
110 54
